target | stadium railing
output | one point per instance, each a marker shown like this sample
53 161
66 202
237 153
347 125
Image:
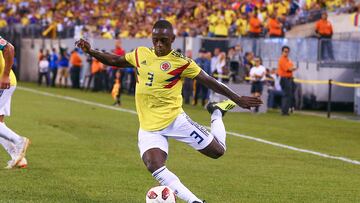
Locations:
329 82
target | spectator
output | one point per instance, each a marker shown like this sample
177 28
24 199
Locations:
215 60
285 71
221 26
324 31
240 75
257 77
69 19
255 26
130 78
96 72
116 90
188 84
201 90
3 22
235 62
221 71
105 34
355 17
88 75
274 90
63 67
274 27
78 29
53 66
120 52
76 65
40 54
43 71
248 62
242 25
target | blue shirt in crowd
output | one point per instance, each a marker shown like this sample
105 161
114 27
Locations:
204 64
64 61
53 61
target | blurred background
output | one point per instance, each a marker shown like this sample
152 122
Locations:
224 36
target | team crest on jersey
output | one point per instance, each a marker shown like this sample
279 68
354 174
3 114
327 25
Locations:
165 66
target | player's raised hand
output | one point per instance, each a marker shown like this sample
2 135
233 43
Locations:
83 45
248 102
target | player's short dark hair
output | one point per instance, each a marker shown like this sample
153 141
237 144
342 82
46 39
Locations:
163 24
285 47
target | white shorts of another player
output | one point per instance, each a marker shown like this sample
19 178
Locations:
5 100
182 129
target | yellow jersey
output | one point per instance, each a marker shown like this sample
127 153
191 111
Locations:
242 27
3 43
221 26
159 83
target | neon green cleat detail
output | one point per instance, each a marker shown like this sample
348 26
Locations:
223 106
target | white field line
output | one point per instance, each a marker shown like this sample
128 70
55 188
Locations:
344 159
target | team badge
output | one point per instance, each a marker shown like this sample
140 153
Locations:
165 66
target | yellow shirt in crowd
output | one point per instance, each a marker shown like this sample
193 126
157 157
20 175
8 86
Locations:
242 27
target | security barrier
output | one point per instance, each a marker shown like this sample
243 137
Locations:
329 82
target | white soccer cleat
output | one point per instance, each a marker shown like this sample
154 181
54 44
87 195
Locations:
22 164
20 152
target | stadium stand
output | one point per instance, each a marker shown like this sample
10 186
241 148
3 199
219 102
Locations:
102 19
201 22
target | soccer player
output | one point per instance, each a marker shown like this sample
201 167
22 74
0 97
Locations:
160 72
14 144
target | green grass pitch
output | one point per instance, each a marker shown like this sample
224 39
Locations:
84 153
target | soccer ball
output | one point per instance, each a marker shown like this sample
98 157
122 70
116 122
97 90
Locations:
160 194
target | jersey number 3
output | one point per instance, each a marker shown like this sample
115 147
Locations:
150 79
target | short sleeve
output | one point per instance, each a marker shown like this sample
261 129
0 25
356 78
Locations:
191 71
131 57
3 43
251 74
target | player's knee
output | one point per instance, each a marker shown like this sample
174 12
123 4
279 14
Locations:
153 165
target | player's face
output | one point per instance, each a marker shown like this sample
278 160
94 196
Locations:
162 40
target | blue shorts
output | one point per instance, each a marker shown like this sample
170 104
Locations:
257 87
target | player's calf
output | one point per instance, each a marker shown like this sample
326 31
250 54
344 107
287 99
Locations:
214 150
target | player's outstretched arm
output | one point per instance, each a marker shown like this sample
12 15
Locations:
8 54
218 87
105 58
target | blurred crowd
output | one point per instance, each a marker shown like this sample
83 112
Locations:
61 68
134 18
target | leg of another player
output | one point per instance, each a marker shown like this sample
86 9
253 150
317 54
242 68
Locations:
154 159
8 146
8 134
21 143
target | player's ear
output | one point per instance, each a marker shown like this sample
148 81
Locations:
172 38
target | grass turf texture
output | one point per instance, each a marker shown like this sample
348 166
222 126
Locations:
82 153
